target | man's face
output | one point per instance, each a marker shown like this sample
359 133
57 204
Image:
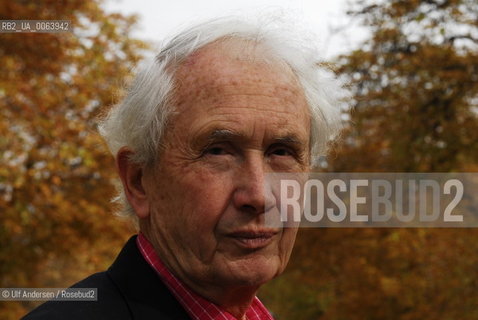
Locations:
237 119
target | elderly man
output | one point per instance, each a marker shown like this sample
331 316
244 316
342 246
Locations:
223 103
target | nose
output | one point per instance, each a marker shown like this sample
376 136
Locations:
251 194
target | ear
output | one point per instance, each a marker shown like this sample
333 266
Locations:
131 175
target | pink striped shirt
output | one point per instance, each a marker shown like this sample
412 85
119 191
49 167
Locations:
196 306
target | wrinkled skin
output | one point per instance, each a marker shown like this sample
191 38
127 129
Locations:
202 205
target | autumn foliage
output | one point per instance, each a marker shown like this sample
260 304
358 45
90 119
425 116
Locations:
414 109
56 223
415 86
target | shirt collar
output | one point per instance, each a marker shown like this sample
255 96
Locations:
196 306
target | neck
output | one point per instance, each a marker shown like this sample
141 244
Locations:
235 300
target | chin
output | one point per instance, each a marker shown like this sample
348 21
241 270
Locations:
252 274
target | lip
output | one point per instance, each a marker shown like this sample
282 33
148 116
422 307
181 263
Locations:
253 239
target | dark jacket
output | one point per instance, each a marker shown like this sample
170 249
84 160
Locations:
129 289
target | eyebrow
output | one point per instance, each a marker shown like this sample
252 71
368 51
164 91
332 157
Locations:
225 134
289 139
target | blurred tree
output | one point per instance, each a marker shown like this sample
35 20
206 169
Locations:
55 173
415 85
416 88
378 274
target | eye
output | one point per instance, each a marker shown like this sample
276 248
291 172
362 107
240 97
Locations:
216 151
287 157
281 151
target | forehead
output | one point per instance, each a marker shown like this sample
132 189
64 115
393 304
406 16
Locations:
229 64
238 80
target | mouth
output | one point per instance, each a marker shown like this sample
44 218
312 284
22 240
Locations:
253 239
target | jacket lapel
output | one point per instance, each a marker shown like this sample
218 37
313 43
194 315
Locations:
145 294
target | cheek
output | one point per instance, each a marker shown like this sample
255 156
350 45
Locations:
201 198
203 208
287 243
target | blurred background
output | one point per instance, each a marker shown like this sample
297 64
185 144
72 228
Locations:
412 67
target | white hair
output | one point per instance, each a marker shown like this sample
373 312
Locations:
139 121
